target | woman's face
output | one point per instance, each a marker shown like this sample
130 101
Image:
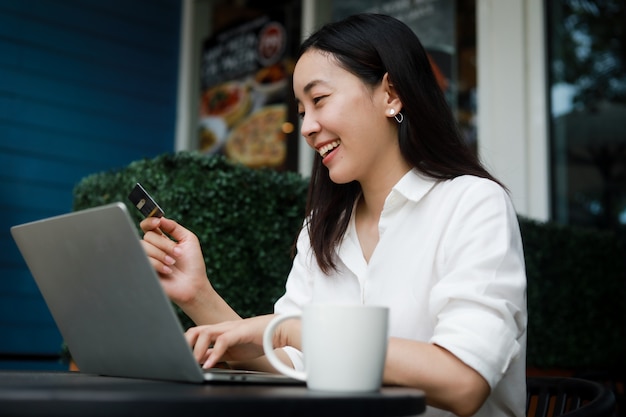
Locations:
345 121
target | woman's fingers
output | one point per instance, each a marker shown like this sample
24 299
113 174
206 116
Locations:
200 339
150 224
171 228
228 341
161 250
216 352
160 260
211 342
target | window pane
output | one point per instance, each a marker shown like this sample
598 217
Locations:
587 75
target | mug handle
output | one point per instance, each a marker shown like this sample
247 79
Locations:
268 347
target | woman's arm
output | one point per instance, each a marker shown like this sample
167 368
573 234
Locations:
447 382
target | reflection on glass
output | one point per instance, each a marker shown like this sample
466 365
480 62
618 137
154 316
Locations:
587 72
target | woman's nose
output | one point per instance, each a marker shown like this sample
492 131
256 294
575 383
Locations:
309 127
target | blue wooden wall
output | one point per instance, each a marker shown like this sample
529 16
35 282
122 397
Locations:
85 86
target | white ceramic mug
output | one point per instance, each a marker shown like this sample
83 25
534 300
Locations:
344 346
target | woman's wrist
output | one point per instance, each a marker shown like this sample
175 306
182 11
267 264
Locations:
288 333
206 306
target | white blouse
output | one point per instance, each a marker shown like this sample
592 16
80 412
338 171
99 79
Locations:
449 264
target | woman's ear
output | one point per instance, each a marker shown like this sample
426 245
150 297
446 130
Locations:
391 95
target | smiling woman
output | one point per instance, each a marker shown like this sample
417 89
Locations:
400 213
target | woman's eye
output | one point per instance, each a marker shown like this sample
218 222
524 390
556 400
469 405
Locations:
314 100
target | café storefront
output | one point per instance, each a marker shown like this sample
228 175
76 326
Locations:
537 87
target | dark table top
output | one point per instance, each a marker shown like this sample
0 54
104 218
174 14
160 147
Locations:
67 394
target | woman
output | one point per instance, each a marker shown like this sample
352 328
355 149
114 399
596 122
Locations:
400 213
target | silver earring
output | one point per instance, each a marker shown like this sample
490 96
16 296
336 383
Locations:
399 117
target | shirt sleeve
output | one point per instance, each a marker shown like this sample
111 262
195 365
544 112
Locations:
479 304
298 290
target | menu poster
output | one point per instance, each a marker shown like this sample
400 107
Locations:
243 113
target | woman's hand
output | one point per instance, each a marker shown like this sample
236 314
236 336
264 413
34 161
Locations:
175 254
238 340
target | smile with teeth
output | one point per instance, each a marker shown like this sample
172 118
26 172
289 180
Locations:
325 150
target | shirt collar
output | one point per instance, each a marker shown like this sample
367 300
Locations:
413 185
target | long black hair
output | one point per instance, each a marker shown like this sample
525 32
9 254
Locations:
368 46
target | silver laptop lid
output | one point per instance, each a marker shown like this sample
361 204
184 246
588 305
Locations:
105 296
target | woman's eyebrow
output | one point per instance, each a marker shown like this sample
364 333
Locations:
307 88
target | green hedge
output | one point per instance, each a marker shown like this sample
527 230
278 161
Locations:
576 297
247 221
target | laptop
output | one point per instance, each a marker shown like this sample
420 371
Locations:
107 301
